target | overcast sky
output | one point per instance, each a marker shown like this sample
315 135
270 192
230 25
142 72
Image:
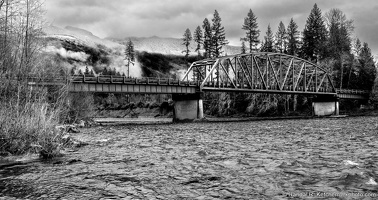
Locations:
170 18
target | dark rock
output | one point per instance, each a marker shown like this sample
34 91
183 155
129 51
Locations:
74 161
72 129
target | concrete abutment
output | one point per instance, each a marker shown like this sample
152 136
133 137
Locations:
325 106
187 107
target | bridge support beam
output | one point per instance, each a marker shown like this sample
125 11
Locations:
325 105
187 107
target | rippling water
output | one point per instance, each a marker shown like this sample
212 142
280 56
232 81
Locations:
286 159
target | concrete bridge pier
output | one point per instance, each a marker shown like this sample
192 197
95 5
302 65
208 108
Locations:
325 105
187 107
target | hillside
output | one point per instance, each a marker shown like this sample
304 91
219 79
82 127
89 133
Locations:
84 36
78 49
166 46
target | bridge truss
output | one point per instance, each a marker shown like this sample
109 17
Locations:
261 72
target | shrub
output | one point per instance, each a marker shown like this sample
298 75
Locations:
29 128
78 106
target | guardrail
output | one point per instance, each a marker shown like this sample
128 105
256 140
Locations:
130 80
352 91
108 79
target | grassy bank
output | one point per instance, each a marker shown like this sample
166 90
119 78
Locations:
29 128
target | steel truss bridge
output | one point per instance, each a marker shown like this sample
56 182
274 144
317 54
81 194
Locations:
263 72
259 72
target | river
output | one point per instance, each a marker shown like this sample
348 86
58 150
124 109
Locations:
274 159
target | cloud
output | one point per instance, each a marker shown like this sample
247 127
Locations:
79 56
170 18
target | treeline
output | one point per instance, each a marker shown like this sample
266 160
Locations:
326 40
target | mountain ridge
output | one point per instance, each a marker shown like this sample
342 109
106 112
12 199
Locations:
153 44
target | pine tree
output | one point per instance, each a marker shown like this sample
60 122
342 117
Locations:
293 38
367 72
198 39
207 38
357 47
72 72
314 35
187 38
219 35
252 32
86 73
340 30
112 72
105 71
281 39
243 47
130 55
268 41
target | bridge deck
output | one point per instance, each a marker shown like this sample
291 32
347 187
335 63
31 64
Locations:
120 84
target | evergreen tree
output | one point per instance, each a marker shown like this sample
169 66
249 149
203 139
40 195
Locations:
340 30
219 35
357 47
91 73
72 72
187 38
86 73
105 71
268 41
293 38
252 32
198 39
207 38
281 39
243 48
314 35
367 72
130 55
112 72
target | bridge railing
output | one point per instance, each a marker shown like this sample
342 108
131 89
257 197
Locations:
108 79
353 91
289 88
130 80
